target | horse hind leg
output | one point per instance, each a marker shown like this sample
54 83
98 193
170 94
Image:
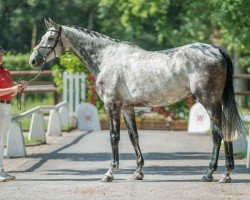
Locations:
229 162
215 113
129 117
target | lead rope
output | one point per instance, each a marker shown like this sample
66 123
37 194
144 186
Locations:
21 81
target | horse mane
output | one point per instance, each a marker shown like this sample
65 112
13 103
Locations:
98 35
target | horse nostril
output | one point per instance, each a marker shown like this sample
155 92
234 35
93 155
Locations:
33 62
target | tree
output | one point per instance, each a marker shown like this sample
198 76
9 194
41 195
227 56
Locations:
22 21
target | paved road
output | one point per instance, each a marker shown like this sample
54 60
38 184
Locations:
174 163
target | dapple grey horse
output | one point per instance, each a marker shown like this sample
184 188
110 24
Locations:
127 76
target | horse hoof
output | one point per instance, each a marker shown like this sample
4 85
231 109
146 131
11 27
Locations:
205 178
225 179
107 178
138 176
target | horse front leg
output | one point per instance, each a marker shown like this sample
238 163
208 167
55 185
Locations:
113 112
129 117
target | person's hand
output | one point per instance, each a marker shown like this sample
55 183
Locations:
17 88
24 85
13 94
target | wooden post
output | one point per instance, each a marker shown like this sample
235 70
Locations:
56 97
34 35
190 102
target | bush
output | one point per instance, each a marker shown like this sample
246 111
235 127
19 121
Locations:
15 62
67 62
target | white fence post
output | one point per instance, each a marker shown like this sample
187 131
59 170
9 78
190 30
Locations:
64 115
248 152
71 95
15 141
65 86
246 118
54 125
37 127
77 91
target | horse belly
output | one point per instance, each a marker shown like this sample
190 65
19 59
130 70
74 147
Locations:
157 91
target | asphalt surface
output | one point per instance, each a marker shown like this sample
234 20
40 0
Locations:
71 167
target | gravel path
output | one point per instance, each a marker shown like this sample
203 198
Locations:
71 168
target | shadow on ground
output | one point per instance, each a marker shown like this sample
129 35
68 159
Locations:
148 170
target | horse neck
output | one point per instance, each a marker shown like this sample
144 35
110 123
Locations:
87 46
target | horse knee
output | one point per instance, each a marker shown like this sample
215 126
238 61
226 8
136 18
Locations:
115 138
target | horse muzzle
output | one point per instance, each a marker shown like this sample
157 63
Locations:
36 60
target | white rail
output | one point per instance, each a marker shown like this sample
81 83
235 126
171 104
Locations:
59 116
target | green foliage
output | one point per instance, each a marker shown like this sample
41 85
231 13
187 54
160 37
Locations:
57 73
20 20
139 20
233 19
67 62
17 61
72 64
179 110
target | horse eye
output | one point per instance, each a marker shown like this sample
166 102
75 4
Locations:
50 38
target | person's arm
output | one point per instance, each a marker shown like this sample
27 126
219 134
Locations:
10 90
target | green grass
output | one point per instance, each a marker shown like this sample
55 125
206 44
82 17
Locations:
31 142
26 125
241 155
29 103
67 128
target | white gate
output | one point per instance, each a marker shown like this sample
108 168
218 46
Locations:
74 90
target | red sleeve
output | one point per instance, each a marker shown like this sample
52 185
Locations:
7 71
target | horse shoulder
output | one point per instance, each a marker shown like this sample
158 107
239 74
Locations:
108 83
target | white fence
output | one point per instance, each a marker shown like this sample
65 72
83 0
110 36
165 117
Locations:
74 90
247 119
59 116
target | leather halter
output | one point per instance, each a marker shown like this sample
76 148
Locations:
58 38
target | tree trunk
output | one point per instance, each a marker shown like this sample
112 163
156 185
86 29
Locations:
34 36
91 20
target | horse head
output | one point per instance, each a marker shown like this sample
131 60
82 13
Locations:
50 47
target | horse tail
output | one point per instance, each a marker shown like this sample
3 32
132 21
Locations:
232 124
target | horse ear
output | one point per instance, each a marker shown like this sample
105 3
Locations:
47 24
54 24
